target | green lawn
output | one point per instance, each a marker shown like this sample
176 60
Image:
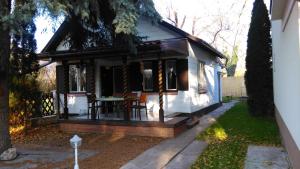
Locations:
226 99
229 137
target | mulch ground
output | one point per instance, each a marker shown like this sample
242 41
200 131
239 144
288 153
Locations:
114 150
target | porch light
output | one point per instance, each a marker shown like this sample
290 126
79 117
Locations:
75 143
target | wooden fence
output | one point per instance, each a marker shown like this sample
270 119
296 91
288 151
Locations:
233 86
41 106
37 109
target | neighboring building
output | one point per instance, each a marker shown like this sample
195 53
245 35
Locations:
190 68
286 67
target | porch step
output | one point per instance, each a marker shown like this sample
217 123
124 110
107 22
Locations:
192 122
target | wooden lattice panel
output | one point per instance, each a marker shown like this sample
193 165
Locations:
47 104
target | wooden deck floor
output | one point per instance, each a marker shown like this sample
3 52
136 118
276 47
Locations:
169 129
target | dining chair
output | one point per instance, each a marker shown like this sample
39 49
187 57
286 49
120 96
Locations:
90 106
139 105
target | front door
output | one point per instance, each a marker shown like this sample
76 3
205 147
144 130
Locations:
107 81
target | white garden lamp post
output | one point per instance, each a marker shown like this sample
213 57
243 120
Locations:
75 143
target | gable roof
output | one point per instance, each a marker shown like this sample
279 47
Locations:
63 30
193 39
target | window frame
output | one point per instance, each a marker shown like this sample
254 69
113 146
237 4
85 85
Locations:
78 78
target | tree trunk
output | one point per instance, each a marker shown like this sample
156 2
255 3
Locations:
5 141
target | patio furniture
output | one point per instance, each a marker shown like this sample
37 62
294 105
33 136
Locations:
141 103
90 105
114 101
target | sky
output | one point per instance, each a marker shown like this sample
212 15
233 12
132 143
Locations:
210 15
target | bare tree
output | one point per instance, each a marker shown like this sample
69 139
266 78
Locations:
46 78
220 27
194 21
173 16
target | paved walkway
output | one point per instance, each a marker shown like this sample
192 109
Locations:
30 157
187 157
263 157
169 152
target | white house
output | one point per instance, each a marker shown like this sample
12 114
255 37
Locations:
191 71
285 16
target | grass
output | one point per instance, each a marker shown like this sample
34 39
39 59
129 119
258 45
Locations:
229 137
226 99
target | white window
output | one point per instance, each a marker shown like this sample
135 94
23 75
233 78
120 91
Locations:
171 76
202 84
148 76
77 78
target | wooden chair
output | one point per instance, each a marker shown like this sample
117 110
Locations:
140 104
90 106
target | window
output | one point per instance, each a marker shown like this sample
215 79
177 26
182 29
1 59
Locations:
202 86
148 76
171 76
77 77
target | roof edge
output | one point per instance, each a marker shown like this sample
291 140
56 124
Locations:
193 39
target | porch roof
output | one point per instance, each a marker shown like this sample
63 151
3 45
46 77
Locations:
169 47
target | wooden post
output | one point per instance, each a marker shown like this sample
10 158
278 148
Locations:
160 90
57 103
125 87
92 88
66 89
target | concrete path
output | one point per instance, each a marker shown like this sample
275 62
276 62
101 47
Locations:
262 157
161 155
30 157
188 156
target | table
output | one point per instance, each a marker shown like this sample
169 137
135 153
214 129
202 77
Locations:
110 99
116 101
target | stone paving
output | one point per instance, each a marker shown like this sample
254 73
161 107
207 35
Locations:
30 157
164 153
263 157
188 156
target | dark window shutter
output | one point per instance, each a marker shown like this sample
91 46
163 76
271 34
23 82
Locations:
183 74
118 79
135 77
60 79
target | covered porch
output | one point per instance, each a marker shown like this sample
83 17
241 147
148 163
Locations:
114 110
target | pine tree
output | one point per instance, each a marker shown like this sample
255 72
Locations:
119 18
258 76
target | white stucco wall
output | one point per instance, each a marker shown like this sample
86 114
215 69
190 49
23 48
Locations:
77 103
286 61
199 101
